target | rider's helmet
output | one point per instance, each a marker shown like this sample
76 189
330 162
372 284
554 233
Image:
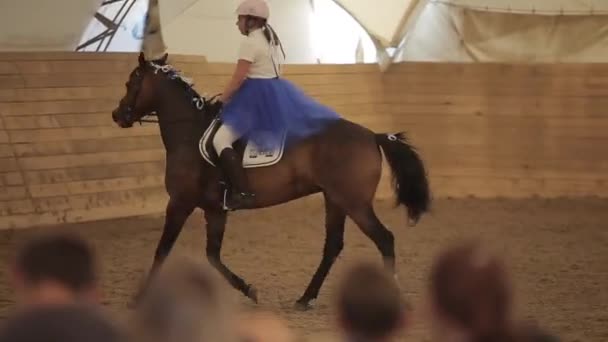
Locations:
255 8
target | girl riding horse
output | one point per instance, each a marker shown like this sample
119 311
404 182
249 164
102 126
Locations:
257 98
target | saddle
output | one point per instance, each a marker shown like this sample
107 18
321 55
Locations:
262 149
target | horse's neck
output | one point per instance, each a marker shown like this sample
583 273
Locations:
181 124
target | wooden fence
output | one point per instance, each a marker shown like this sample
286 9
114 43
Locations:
485 130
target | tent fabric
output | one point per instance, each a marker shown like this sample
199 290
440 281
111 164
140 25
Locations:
382 22
311 31
447 33
317 31
128 37
208 28
385 22
431 30
153 45
551 7
44 25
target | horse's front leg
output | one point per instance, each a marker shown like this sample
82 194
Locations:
175 216
216 225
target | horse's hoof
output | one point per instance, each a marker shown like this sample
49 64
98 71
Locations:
252 293
302 305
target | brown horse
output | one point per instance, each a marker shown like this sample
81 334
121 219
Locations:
343 162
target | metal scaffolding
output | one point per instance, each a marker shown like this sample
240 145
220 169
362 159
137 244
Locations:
104 38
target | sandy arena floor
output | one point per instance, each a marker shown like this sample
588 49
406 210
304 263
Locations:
557 250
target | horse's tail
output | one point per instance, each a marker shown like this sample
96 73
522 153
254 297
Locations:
409 178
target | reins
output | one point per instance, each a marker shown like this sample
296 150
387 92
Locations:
199 101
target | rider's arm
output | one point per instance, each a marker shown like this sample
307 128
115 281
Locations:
246 56
241 71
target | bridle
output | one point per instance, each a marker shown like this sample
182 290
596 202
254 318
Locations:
199 102
128 111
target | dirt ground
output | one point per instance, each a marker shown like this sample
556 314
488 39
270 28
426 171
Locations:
557 251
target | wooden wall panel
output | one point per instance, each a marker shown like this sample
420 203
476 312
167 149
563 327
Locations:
483 130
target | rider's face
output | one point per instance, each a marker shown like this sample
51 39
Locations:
241 23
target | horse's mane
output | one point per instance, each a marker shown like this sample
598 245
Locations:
175 74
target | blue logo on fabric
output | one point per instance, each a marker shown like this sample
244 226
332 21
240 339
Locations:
138 29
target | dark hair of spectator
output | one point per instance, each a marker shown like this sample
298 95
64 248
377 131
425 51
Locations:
65 323
471 288
369 303
63 257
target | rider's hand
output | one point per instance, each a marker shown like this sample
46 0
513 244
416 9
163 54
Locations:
215 105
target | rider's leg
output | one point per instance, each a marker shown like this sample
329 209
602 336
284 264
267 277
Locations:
224 138
232 166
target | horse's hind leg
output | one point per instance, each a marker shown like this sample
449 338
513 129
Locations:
176 214
216 225
334 242
370 225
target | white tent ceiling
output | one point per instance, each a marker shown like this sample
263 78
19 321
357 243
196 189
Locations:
383 22
463 31
207 26
34 25
386 22
533 6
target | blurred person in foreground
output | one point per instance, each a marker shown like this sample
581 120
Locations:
60 323
186 302
262 326
471 299
370 306
55 268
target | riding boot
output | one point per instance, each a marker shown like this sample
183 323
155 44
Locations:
241 196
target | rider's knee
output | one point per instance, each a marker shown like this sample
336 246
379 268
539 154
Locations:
218 144
224 138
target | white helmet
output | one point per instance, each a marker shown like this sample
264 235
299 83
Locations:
256 8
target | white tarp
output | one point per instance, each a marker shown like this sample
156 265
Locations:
382 21
200 27
44 25
438 30
209 28
459 34
385 21
548 7
318 31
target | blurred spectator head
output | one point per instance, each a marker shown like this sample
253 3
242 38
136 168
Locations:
60 323
263 326
470 294
55 267
185 302
370 306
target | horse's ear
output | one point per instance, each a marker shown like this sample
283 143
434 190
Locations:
163 59
142 59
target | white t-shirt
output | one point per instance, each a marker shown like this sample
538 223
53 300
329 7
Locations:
256 49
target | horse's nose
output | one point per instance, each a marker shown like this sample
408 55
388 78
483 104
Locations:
115 115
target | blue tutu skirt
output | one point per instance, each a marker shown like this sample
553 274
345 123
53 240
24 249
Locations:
275 106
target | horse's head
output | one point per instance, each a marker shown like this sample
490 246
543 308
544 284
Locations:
139 99
144 93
